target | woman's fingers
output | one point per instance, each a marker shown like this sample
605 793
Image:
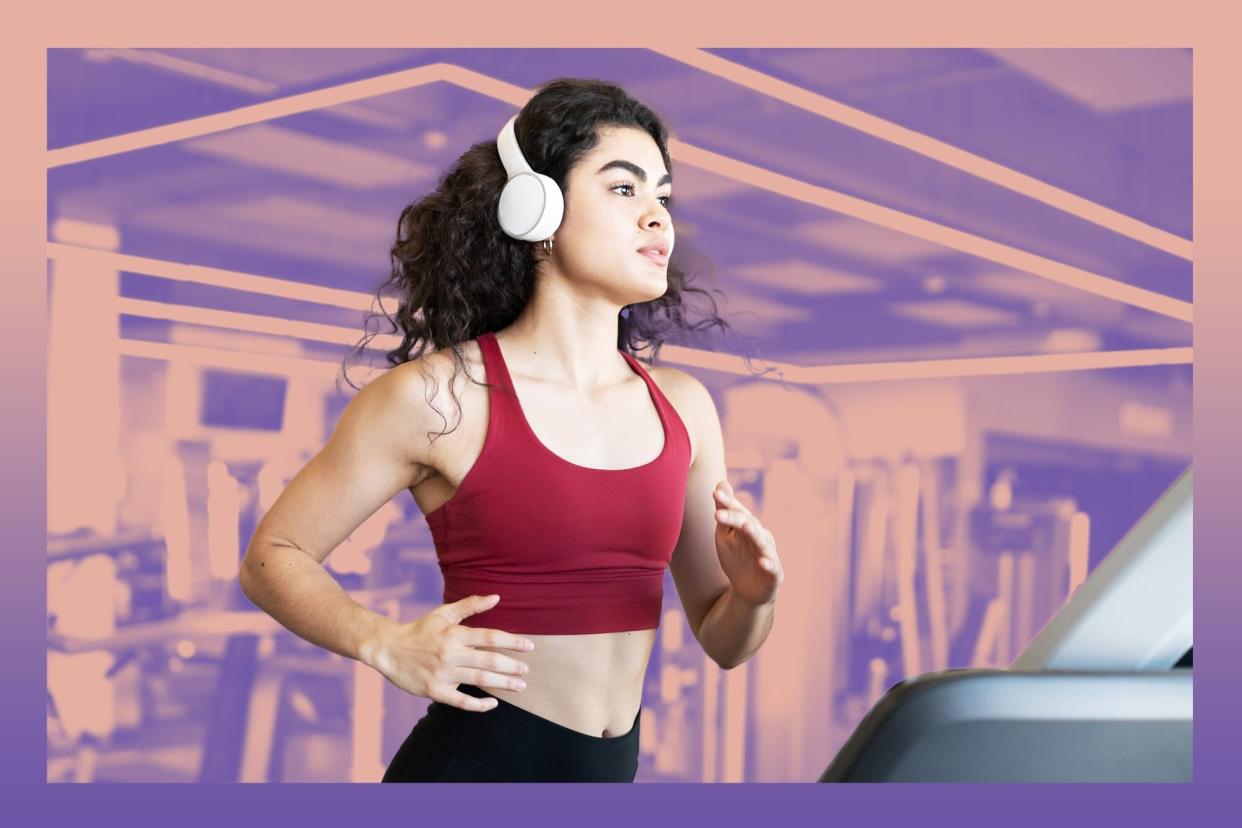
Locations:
733 512
725 500
750 525
496 639
469 662
743 522
476 658
465 701
485 678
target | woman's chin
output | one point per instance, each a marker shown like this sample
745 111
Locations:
656 276
651 296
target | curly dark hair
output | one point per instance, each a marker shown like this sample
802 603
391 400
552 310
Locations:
456 274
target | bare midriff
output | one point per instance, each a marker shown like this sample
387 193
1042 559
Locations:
589 683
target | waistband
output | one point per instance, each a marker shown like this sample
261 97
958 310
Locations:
521 746
543 606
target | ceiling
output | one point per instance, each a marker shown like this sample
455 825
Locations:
856 205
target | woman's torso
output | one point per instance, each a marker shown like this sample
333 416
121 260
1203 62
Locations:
589 683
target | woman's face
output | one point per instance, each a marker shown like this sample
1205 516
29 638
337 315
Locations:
615 203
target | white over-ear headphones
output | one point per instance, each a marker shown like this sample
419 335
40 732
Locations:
531 205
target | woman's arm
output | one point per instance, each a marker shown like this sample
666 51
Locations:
727 589
733 629
378 447
298 592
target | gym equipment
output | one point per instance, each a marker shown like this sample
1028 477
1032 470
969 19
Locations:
1099 696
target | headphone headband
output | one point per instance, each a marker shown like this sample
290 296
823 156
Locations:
510 154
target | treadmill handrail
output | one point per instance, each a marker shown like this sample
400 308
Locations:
1134 611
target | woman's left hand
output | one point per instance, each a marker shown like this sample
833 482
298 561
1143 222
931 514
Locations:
746 550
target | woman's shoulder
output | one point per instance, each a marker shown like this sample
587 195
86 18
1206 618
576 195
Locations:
436 376
420 388
677 383
688 396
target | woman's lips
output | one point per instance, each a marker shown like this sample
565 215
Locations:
654 256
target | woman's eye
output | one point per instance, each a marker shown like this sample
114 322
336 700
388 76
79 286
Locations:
664 199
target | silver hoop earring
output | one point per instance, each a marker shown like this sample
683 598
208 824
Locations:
547 246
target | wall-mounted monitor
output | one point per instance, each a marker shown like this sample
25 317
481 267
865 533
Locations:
229 399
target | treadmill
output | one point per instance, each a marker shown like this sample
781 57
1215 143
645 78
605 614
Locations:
1103 693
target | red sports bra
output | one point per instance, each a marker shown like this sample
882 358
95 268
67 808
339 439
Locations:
570 549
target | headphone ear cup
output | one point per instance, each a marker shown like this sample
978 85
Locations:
531 207
553 209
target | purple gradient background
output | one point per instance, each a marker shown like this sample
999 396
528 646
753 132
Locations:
1217 458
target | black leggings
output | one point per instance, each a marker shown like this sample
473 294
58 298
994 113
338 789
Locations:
508 744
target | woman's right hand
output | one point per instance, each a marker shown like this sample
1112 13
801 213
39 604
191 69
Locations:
433 654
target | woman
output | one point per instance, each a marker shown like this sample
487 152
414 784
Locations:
572 479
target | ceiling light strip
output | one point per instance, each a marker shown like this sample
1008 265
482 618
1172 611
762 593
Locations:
930 368
251 362
941 234
292 105
213 276
247 362
252 323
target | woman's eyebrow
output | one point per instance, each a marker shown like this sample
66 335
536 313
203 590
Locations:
636 170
